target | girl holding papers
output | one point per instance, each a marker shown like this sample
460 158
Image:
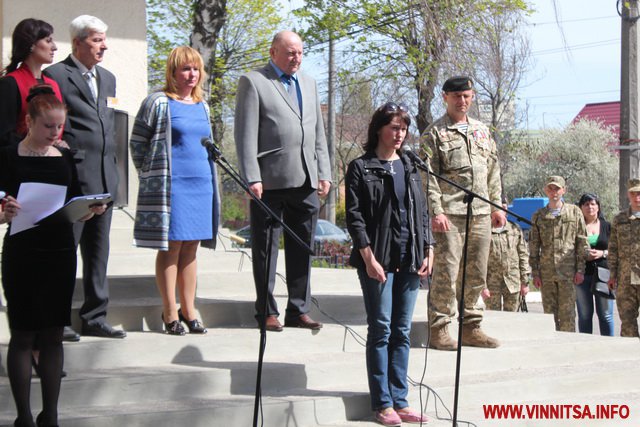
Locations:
38 263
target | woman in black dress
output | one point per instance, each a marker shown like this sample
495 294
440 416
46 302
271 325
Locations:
39 263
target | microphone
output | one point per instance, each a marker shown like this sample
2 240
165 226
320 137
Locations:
413 156
211 148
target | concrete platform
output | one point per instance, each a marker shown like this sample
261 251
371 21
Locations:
311 378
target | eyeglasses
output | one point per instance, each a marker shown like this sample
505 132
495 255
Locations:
392 107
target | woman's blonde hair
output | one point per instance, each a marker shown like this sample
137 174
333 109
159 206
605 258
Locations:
178 57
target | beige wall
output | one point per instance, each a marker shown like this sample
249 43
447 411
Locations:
126 40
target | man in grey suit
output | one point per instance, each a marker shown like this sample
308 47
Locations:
89 92
283 155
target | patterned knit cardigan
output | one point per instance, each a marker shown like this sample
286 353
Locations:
150 146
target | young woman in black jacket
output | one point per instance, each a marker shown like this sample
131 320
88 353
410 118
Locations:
388 221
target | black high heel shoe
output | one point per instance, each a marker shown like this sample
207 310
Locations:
23 423
173 328
40 423
195 326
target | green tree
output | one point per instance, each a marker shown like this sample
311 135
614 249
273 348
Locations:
406 42
168 25
219 30
580 153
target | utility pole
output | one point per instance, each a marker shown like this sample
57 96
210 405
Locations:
330 206
629 97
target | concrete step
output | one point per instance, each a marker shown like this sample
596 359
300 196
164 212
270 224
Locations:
309 379
226 358
116 380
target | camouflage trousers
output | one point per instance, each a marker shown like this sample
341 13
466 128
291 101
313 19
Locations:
559 299
501 297
628 301
448 266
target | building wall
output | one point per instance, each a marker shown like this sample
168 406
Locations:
126 56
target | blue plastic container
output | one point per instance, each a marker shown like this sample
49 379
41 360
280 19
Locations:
525 207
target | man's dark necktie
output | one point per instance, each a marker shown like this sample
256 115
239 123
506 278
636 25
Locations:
291 89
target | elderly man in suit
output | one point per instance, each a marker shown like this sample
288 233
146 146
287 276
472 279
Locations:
283 155
89 92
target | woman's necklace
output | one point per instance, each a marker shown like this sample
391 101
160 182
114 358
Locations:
391 170
35 153
185 98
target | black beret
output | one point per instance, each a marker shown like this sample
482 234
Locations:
457 84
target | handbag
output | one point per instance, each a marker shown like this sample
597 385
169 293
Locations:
600 284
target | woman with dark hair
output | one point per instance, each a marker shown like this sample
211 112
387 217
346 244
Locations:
598 230
32 46
388 221
39 263
178 202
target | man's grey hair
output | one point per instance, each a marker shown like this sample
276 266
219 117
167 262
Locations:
84 25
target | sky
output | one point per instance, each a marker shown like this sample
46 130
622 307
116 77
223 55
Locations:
583 69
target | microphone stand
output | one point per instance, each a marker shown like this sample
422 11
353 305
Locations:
468 199
216 155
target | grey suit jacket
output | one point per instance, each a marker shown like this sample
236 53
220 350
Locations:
89 129
275 145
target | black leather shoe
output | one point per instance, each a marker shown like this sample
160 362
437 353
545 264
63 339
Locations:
173 328
70 335
303 321
103 330
195 326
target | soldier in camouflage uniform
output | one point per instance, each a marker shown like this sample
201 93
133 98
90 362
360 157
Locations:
508 270
558 246
464 152
624 261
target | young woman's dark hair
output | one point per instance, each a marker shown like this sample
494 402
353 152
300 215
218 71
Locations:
25 35
382 117
587 197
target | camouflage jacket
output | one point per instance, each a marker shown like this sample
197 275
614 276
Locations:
558 246
624 248
509 257
470 160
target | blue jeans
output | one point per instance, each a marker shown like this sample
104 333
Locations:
585 303
389 307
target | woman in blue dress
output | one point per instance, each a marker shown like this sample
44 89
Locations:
178 199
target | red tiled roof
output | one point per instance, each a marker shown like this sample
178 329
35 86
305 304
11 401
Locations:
606 112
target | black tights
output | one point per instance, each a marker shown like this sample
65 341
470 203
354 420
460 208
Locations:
50 361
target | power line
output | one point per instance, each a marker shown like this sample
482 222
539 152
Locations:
597 18
577 47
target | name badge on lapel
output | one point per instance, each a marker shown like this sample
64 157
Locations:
112 102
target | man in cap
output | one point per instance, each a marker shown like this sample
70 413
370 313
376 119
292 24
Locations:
558 246
463 151
624 261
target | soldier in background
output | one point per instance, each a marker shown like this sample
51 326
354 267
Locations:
558 246
464 152
508 269
624 261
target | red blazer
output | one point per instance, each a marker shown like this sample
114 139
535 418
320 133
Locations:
13 92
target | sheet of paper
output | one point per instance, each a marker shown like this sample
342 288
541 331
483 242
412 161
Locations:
37 200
